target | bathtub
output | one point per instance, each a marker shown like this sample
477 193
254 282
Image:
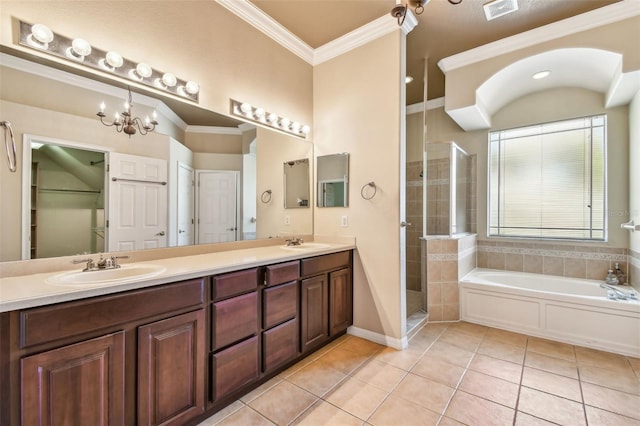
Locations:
564 309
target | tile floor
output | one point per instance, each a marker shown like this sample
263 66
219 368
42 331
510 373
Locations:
451 374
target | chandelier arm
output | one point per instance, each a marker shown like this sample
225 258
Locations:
139 124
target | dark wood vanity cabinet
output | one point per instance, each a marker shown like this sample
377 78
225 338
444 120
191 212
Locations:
326 298
171 354
136 357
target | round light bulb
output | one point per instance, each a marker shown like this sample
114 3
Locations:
284 123
144 70
306 129
42 33
192 87
81 47
272 118
295 127
259 113
169 79
114 59
245 108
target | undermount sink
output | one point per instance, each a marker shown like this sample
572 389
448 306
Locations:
306 246
126 273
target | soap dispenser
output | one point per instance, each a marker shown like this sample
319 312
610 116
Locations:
622 277
611 278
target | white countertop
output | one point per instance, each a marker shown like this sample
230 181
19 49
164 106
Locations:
26 291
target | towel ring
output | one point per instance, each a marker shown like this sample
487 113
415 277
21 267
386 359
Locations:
372 185
11 151
266 196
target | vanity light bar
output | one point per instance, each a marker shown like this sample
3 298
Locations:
260 116
39 37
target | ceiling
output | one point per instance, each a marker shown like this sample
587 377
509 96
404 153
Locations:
443 29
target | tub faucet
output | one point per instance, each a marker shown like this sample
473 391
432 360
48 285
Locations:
619 294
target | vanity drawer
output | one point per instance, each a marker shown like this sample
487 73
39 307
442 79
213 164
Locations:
327 262
282 273
279 345
234 319
49 323
234 367
280 303
233 283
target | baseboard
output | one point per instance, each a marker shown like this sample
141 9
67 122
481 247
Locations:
392 342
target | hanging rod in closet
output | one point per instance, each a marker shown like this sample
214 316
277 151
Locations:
115 179
84 191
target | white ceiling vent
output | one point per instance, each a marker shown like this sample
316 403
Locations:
496 8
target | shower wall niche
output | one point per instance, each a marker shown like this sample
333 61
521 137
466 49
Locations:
451 190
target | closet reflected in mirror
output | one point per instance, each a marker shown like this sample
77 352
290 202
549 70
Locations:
333 180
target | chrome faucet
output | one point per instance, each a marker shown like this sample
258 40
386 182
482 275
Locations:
110 262
621 294
295 241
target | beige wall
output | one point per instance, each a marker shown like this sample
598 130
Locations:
357 109
622 37
196 40
543 107
215 143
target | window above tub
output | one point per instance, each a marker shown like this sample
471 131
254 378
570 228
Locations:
548 180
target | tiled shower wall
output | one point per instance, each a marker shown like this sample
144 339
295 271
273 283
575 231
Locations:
446 260
438 194
576 261
414 217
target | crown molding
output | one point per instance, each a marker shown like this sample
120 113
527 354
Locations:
598 17
214 130
361 36
268 26
88 84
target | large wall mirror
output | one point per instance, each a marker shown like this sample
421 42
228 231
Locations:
333 180
64 183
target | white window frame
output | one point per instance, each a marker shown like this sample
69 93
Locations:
543 237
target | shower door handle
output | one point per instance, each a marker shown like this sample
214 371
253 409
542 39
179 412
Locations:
405 224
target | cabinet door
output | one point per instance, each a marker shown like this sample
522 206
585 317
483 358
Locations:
171 357
80 384
340 303
314 321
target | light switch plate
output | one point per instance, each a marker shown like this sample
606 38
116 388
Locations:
287 220
344 221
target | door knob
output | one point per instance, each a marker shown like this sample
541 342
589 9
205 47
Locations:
181 231
404 224
160 234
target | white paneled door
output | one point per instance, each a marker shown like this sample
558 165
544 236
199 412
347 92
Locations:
137 216
186 197
217 206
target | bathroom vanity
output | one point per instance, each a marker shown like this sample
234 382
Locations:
175 348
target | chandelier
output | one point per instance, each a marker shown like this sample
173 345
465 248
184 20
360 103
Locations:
126 122
399 11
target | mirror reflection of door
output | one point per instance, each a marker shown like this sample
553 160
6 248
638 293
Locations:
217 206
64 208
137 202
332 194
186 200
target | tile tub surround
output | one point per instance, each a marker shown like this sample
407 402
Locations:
451 373
565 260
446 260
